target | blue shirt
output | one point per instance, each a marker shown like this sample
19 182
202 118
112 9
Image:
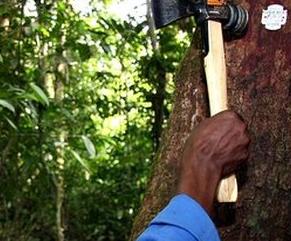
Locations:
182 220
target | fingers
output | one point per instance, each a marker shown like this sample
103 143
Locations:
232 116
239 157
235 140
221 140
239 125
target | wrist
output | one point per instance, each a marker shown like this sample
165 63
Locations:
201 183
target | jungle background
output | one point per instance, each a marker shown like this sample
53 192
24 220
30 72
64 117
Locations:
84 95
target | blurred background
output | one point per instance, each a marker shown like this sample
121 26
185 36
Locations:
86 88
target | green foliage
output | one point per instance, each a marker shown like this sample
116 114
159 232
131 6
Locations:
76 114
6 104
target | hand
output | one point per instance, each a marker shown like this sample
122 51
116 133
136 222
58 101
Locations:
214 149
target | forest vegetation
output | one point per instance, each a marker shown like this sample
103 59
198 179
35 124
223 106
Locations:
83 101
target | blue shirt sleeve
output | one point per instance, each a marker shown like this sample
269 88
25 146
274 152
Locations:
183 219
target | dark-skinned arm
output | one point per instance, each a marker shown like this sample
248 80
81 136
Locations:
214 150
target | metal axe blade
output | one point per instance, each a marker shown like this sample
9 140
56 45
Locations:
233 18
168 11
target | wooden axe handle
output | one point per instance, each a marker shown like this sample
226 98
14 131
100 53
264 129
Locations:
215 70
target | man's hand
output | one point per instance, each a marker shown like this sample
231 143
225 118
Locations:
214 150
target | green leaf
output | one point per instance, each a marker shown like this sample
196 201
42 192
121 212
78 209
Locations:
81 160
11 123
40 93
61 6
68 114
1 59
29 96
84 51
107 2
44 31
7 105
89 146
4 8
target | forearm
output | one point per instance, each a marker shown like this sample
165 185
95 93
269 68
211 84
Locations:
202 187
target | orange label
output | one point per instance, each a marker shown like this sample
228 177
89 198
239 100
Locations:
215 2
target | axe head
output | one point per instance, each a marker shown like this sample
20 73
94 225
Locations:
168 11
233 17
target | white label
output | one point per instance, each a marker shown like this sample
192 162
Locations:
274 17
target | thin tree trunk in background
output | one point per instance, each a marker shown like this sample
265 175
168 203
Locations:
5 23
61 79
57 93
158 80
158 106
60 161
259 89
151 25
60 193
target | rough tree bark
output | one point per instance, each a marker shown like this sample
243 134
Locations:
259 88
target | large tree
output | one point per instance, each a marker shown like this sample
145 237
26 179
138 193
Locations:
259 89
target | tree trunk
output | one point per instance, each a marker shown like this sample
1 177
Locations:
259 89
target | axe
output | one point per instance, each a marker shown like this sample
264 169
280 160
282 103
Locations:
212 16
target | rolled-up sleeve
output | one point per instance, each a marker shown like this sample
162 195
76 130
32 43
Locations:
183 219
